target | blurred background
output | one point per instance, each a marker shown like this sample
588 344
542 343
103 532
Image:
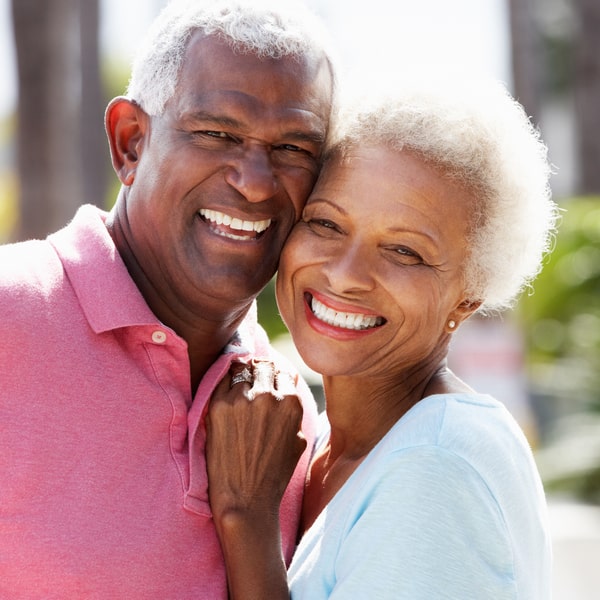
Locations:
62 60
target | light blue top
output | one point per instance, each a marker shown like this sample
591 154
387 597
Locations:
448 505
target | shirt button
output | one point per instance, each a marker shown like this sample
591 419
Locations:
159 337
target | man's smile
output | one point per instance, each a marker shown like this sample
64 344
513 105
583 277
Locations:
232 227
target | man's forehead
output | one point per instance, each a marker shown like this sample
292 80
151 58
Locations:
219 80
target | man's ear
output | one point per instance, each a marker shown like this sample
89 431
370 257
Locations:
126 124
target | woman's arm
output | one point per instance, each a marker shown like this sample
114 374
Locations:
252 448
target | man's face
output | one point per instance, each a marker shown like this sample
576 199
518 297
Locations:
224 172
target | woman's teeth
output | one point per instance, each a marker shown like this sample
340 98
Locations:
344 320
219 218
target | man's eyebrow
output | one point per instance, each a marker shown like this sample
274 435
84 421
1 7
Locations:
216 120
312 135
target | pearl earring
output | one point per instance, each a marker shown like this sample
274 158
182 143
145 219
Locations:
451 324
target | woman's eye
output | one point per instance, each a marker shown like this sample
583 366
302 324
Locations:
322 223
408 256
322 226
290 148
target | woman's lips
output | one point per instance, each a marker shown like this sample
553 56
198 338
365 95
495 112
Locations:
346 320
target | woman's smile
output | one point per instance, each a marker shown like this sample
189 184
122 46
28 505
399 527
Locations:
354 321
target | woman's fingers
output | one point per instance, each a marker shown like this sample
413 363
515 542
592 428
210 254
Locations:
263 376
240 374
257 378
285 385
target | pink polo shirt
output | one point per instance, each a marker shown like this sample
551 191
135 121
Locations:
103 490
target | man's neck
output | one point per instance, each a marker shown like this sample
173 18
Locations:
206 326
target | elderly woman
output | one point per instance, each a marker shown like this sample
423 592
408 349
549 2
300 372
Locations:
431 206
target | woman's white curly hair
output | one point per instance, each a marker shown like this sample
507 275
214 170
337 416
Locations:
267 28
477 134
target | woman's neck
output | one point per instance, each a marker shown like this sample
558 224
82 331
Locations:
362 410
360 413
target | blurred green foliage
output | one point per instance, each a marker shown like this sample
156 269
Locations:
562 317
268 313
562 330
115 75
8 205
8 182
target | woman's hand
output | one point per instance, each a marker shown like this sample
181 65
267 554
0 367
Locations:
254 439
254 442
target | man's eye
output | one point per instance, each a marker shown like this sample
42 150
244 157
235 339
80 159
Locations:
293 148
217 134
204 134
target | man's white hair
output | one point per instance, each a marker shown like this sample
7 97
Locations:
267 28
475 133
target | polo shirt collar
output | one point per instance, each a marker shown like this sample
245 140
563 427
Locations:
107 294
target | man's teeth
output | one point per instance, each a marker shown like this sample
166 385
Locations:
219 218
341 319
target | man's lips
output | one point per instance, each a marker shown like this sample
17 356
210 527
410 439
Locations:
232 227
354 321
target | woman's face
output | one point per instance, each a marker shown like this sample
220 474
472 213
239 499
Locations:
372 273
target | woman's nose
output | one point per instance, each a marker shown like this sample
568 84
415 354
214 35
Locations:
350 269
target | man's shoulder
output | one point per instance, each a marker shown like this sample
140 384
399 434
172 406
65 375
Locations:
27 264
32 272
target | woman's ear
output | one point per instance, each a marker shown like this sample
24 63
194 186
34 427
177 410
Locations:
461 313
126 124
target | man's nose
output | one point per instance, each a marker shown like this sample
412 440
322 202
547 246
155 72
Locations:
252 175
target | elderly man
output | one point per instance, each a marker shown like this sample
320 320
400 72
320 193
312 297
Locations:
117 328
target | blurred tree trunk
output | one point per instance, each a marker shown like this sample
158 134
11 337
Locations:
94 146
526 56
587 94
52 50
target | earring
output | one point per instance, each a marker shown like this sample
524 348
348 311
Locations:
451 324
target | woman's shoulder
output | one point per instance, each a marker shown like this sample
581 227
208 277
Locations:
472 428
449 422
440 416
